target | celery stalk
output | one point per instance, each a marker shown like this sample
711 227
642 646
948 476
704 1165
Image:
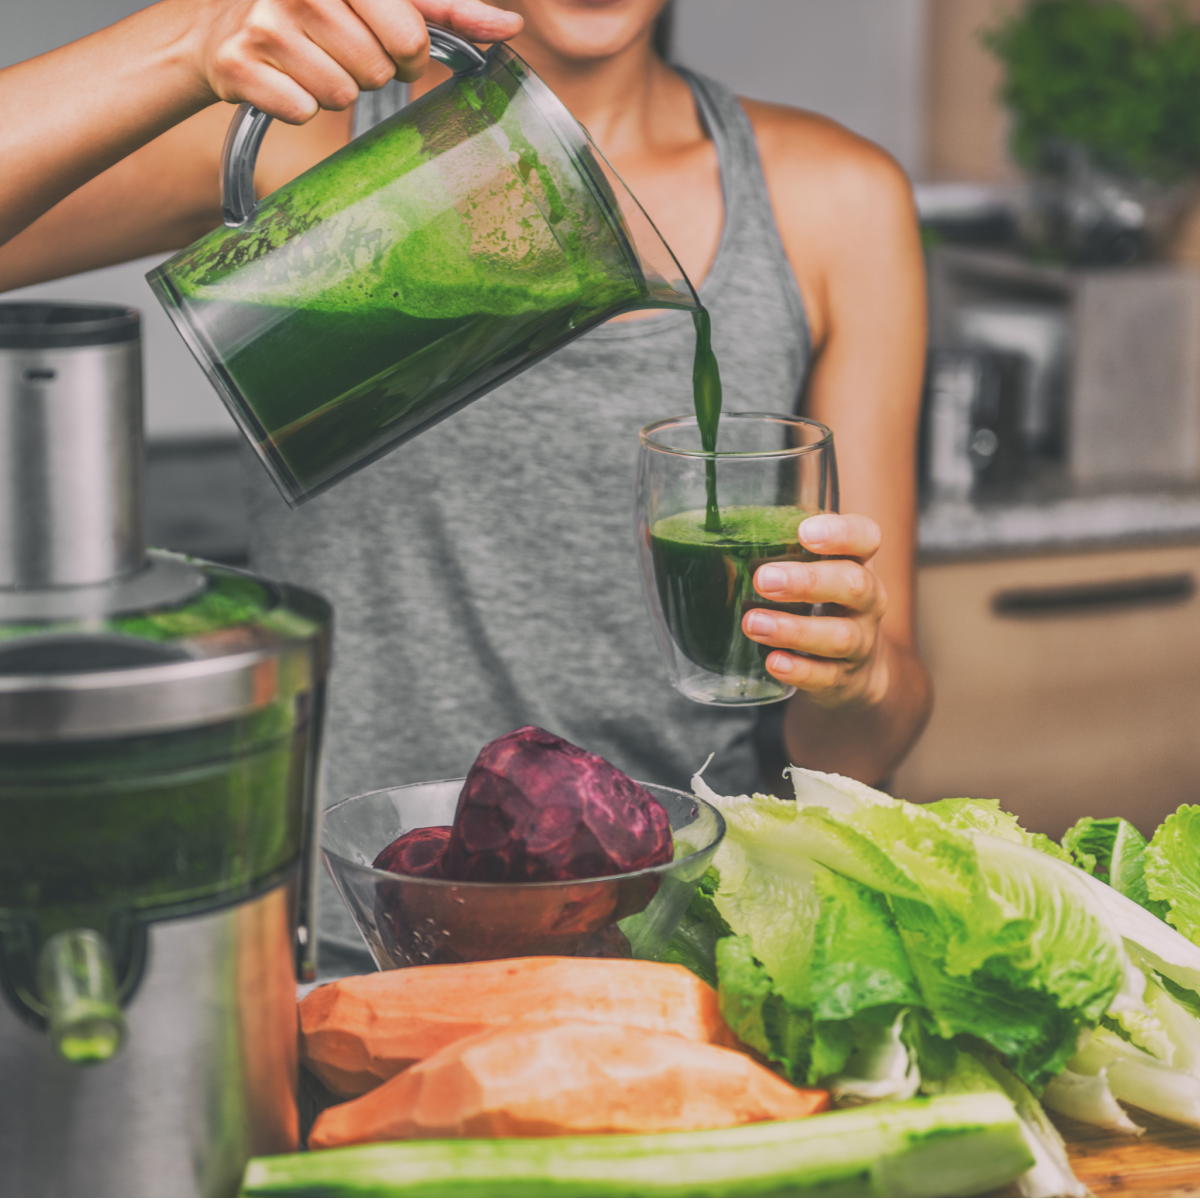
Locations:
944 1146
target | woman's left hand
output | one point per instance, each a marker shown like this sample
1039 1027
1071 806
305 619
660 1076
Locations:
848 665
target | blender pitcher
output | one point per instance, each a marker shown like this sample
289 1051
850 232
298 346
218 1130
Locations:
433 258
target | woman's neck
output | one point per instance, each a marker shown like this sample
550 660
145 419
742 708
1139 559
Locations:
616 98
630 102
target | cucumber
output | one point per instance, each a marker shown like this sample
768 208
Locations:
939 1146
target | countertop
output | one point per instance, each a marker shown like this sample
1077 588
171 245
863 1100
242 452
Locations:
1047 516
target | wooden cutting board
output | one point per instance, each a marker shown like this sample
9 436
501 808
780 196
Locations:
1165 1161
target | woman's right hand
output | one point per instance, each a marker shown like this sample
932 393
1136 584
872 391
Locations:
103 100
293 57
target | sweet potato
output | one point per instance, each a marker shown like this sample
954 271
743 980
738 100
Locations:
539 1079
359 1031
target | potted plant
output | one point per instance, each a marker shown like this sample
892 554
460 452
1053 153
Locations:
1106 116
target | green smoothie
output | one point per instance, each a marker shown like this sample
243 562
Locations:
705 580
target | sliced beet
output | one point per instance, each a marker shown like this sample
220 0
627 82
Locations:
536 809
420 852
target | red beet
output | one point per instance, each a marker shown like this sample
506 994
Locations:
419 852
537 809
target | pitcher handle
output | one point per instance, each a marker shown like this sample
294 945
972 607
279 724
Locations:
249 124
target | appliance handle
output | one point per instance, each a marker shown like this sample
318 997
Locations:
249 124
1103 596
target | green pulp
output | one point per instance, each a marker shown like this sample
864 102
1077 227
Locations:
705 580
229 601
412 271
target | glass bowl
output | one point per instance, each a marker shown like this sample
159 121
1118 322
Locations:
407 921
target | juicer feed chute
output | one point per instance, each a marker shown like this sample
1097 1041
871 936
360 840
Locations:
160 727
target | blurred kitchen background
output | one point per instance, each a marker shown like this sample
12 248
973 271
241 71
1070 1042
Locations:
1060 444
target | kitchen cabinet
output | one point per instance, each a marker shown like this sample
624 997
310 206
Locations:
1066 684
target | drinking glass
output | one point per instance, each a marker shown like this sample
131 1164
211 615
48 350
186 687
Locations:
706 522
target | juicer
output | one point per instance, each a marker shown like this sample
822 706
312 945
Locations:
160 732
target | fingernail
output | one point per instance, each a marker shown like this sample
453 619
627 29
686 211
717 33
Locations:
780 664
770 579
815 529
760 622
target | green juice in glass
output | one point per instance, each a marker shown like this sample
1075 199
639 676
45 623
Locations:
705 580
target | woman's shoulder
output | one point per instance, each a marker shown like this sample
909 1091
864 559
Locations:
808 148
843 206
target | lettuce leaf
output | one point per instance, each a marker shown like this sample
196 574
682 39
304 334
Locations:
1006 945
1137 1077
986 816
1112 850
694 942
1173 869
882 1066
807 992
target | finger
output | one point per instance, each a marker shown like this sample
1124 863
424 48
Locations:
268 89
843 581
317 72
401 32
472 19
845 535
269 39
350 42
807 674
846 638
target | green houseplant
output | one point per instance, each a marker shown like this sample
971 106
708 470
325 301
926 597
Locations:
1106 114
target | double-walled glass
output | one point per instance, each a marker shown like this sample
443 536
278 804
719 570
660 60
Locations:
770 471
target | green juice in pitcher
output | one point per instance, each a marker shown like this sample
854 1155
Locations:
705 580
417 268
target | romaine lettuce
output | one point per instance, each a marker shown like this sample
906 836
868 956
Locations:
1112 850
986 816
1173 869
859 941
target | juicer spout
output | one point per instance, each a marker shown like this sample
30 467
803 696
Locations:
78 984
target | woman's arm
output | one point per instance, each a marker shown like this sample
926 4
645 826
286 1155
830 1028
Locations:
75 112
848 224
160 198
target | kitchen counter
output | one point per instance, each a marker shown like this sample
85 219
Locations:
1045 518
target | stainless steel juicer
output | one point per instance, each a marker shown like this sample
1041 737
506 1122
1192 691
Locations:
160 732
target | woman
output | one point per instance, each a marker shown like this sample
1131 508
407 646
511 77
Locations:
483 576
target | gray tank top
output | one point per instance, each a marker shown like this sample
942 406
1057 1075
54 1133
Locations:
484 576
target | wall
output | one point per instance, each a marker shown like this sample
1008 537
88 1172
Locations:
861 62
179 400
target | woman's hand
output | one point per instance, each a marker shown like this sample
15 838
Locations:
848 664
104 97
293 57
